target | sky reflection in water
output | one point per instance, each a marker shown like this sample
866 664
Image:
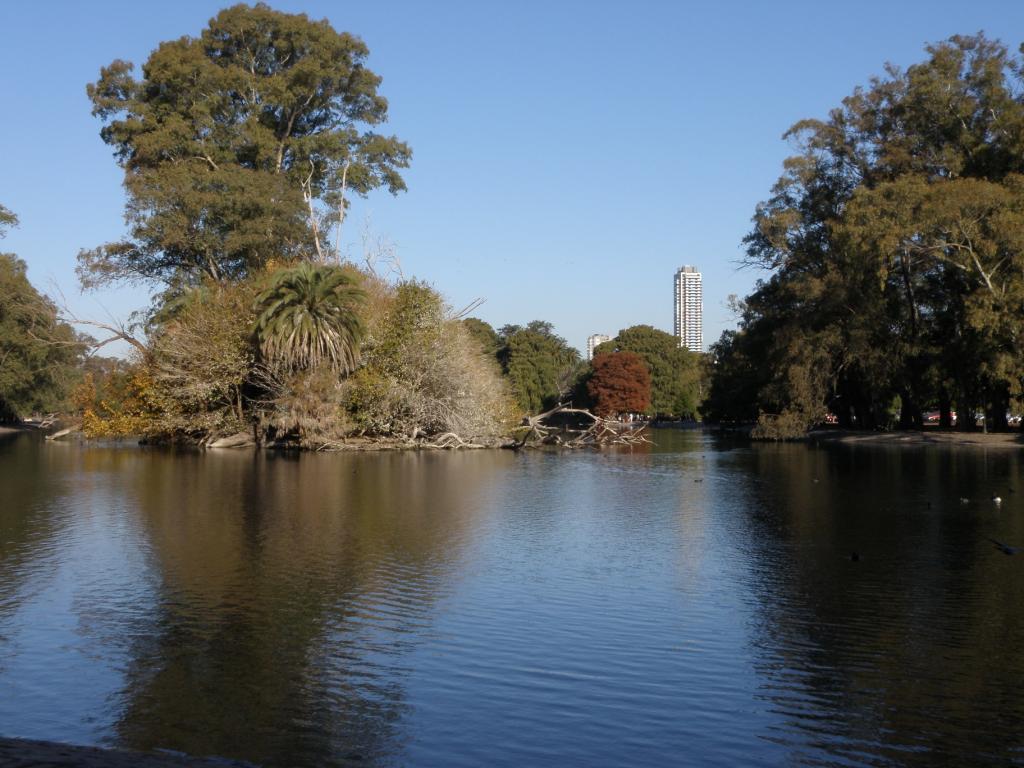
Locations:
691 603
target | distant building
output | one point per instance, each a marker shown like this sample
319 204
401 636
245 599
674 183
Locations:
689 309
594 341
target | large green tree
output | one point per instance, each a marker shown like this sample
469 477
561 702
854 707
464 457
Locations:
540 365
675 371
893 242
237 145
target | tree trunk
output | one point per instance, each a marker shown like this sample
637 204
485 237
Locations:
945 410
906 420
866 416
965 414
996 415
843 414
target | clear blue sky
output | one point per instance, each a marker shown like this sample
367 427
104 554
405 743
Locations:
568 156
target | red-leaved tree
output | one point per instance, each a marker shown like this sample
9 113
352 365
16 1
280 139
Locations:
621 384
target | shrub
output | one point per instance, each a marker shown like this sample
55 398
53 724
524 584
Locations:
427 375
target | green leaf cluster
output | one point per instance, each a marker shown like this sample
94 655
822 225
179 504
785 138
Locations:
236 144
308 317
540 365
39 354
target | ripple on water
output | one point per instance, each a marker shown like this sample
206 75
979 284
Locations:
501 609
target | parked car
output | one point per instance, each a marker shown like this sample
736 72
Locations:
934 417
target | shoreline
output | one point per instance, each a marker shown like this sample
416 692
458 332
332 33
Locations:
244 442
31 753
1002 440
926 437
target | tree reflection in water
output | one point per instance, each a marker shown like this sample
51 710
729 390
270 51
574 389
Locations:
911 654
289 589
695 600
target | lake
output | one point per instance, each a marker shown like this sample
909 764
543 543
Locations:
694 602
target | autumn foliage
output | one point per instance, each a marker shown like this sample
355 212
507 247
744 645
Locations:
621 384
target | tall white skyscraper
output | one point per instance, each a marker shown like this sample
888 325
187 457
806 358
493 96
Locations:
689 309
594 341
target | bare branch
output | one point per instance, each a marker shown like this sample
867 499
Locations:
472 306
118 330
307 195
341 212
600 433
209 160
378 249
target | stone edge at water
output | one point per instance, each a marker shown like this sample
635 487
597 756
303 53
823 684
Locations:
25 753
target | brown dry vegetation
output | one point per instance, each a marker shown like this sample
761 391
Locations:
204 376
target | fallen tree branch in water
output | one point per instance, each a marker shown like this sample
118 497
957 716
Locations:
601 432
444 441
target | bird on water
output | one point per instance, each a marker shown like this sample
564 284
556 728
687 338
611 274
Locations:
1006 549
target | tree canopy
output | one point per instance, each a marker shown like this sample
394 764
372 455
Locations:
38 353
236 146
309 316
540 365
7 219
426 374
485 335
894 239
674 371
620 383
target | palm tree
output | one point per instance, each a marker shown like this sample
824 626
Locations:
308 316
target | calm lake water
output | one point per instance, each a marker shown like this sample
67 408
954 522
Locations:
691 603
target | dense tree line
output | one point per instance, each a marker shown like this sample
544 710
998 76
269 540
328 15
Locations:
39 355
540 367
895 242
651 372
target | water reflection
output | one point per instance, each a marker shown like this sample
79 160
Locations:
306 583
277 598
910 654
693 601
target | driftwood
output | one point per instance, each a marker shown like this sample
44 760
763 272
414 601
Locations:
444 441
239 440
64 432
536 431
601 432
449 440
